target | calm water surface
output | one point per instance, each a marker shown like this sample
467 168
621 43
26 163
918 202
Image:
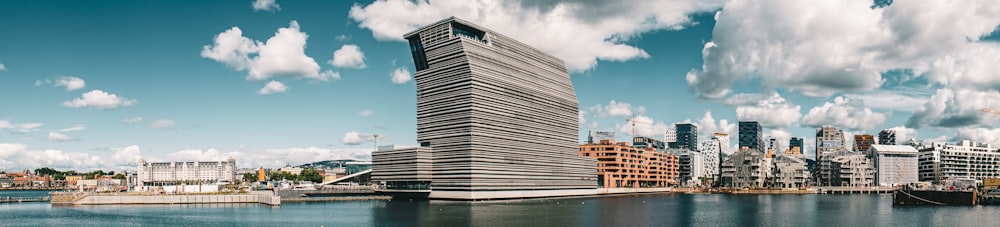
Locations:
636 210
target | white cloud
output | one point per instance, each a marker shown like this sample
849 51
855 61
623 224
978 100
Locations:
265 5
162 123
343 38
268 158
903 134
19 128
582 120
400 76
644 126
771 110
71 83
134 120
551 26
18 156
3 67
979 134
891 100
820 48
365 113
952 108
127 155
282 55
707 126
352 138
74 128
844 113
100 100
273 87
59 137
348 56
782 137
617 109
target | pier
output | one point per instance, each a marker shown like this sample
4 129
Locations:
76 198
854 190
24 199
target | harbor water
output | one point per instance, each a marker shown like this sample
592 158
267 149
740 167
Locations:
629 210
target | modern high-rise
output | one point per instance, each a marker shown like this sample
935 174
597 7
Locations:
862 142
711 150
499 115
829 139
751 135
687 136
887 137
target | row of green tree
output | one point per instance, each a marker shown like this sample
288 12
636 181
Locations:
61 175
308 174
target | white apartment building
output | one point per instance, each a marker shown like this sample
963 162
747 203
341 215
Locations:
894 164
966 159
175 172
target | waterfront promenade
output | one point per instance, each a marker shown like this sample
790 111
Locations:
84 198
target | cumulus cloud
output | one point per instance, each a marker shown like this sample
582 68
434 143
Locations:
100 100
707 126
126 155
357 138
352 138
551 26
3 67
281 55
844 113
162 123
770 110
644 126
18 156
889 100
71 83
365 113
265 5
903 134
820 48
616 109
59 137
580 117
134 120
349 56
979 134
273 87
400 76
269 158
953 108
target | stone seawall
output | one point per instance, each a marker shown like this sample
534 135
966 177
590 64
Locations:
99 199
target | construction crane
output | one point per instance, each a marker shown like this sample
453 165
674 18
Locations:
992 111
633 120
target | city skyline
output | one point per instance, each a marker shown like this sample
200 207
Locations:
93 85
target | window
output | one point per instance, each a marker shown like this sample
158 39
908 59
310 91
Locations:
417 50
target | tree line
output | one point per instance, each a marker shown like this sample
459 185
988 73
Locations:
61 175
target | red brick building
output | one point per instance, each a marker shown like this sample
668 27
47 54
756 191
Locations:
620 165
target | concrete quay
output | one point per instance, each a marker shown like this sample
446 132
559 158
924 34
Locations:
76 198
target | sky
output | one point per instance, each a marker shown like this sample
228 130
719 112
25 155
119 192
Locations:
97 85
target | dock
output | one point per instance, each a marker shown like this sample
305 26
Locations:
854 190
83 198
24 199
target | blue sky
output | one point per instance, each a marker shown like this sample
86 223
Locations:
189 78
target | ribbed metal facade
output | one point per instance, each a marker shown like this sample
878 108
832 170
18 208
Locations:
499 115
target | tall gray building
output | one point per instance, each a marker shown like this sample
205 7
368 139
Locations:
500 116
751 135
687 136
887 137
